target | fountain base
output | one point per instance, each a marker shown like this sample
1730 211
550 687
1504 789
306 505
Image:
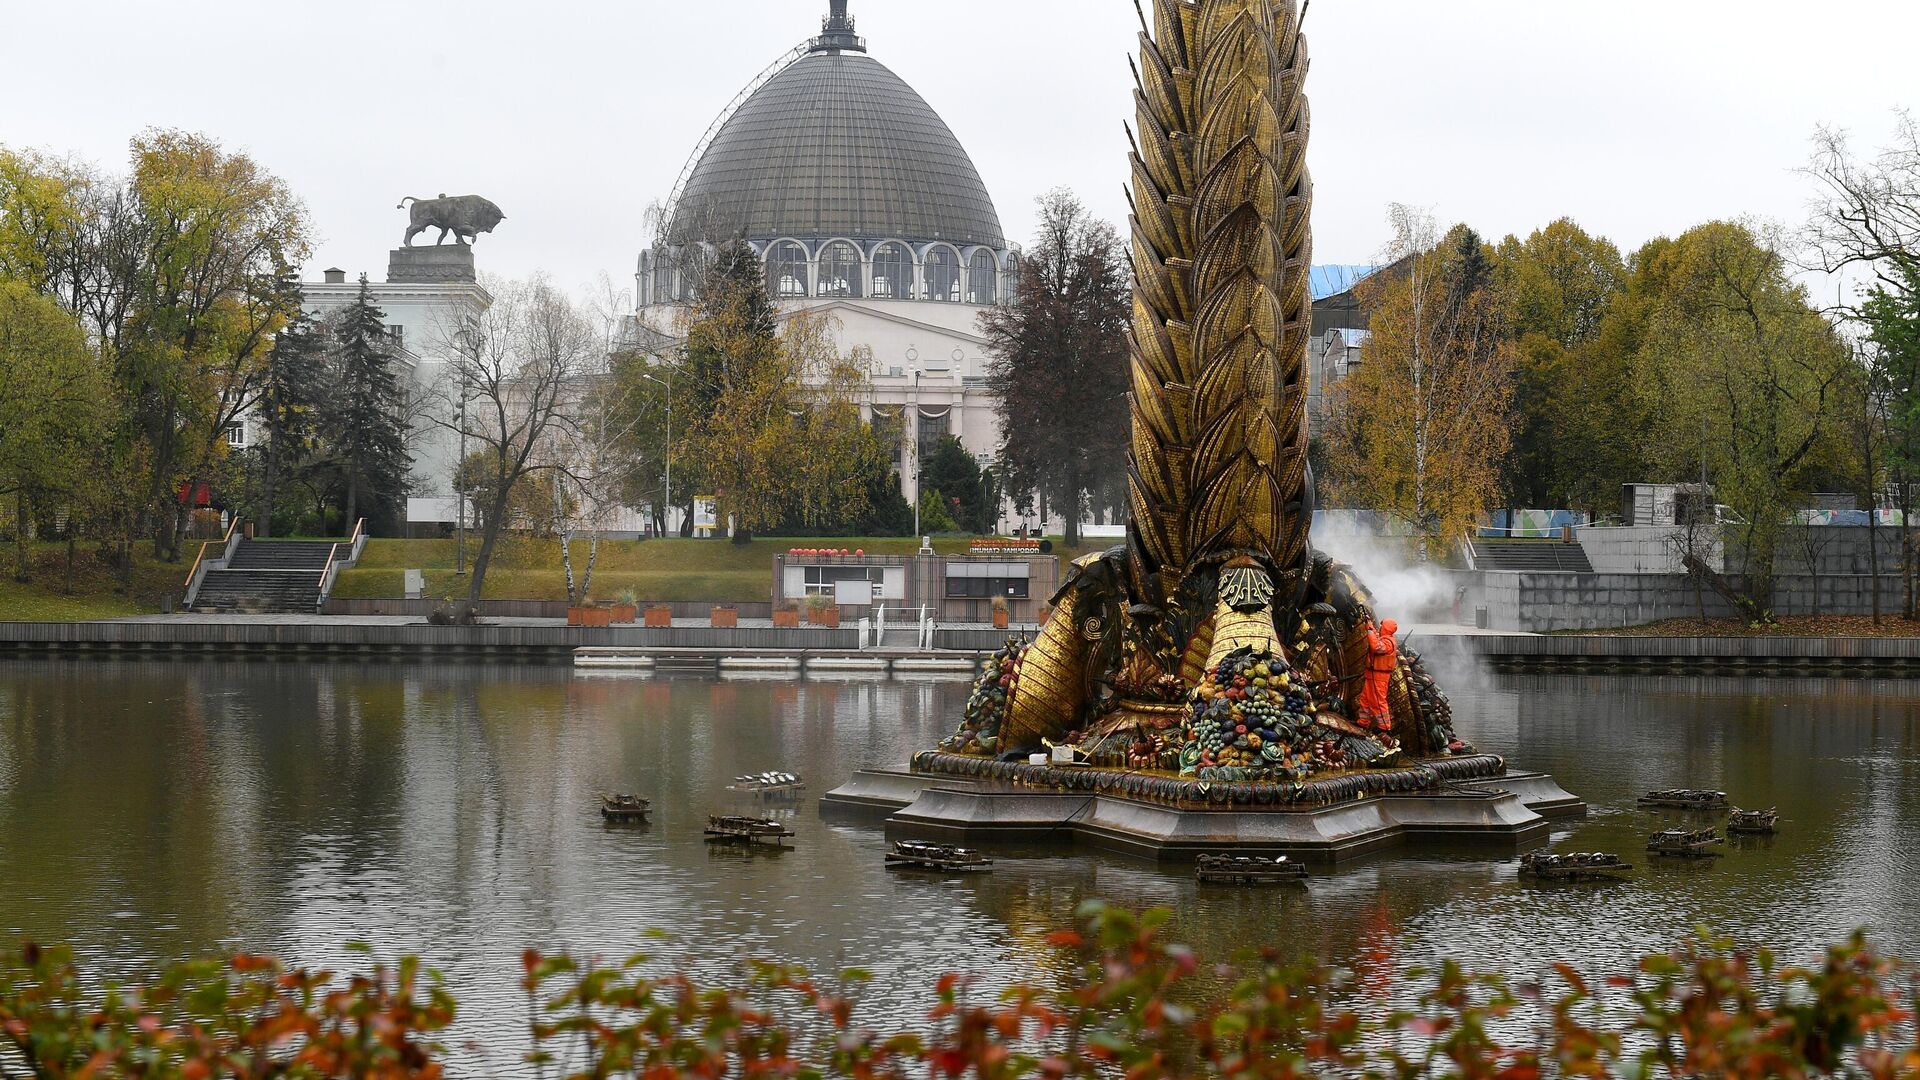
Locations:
1444 803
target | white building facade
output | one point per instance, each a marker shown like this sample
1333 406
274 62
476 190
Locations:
429 296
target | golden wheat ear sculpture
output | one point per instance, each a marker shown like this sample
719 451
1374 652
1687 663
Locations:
1222 253
1217 570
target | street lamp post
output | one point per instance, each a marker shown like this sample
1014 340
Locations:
669 450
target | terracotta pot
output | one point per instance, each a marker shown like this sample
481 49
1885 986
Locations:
625 613
589 616
659 616
574 616
787 619
1000 618
823 616
1046 612
726 617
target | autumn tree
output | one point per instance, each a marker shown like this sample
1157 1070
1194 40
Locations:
1749 374
1419 431
1866 223
1572 430
773 416
53 407
364 411
1891 317
510 389
1059 365
182 274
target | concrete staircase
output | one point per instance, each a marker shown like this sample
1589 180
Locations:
267 577
1549 555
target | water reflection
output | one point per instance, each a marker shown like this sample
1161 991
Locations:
150 810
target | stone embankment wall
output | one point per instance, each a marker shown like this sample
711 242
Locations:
1801 550
1541 603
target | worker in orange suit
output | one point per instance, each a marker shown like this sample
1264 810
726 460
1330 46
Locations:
1383 659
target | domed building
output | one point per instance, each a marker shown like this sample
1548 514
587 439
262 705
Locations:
863 205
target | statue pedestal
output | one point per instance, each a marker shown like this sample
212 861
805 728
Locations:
431 264
1506 811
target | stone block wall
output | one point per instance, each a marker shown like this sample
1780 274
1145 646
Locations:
1541 603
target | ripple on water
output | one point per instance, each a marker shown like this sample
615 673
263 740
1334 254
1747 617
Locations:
153 810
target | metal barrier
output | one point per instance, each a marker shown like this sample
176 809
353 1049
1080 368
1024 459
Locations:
198 575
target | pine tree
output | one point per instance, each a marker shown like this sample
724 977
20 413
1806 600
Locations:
365 414
289 398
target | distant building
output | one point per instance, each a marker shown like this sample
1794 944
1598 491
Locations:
1340 321
429 295
863 206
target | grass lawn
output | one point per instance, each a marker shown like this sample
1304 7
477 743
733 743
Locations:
527 569
99 592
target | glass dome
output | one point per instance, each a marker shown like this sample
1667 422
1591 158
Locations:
837 146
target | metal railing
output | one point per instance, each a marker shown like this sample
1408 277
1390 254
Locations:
223 541
200 565
355 543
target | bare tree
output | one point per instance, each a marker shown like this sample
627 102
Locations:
1868 215
517 366
1867 221
594 453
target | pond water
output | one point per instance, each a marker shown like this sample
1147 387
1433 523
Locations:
151 810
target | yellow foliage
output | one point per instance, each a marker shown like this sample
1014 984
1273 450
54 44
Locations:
1420 428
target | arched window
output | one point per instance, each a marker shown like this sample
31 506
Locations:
943 275
892 272
983 278
787 269
663 262
691 263
840 270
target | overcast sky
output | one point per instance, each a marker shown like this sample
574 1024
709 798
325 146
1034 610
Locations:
1635 117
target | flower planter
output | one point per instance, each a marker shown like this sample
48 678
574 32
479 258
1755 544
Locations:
726 617
1046 612
660 616
589 616
787 619
1001 618
625 613
828 617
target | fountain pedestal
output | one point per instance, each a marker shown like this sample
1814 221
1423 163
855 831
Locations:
1505 811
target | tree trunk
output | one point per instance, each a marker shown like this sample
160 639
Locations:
1071 515
489 534
1741 603
263 528
20 544
1907 552
353 501
68 591
1873 553
593 558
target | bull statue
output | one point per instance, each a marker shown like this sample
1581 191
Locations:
465 216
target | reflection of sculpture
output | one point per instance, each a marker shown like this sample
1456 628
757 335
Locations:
465 216
1216 643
